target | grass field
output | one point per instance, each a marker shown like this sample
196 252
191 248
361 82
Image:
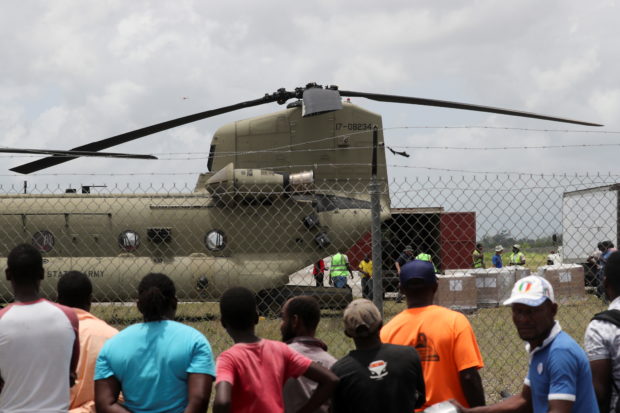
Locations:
533 260
503 352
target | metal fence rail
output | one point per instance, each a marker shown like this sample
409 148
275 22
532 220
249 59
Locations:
267 237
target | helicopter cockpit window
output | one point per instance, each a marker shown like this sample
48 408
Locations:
211 156
129 240
43 240
215 240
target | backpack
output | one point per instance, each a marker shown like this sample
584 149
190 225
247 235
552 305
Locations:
613 317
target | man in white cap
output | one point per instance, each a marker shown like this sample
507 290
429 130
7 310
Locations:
559 377
497 257
375 377
517 257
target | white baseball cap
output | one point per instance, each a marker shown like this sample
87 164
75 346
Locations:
531 291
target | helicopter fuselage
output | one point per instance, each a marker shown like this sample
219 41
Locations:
204 246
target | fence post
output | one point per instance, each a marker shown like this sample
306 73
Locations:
375 207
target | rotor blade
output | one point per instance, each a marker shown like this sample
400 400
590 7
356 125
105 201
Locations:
149 130
78 153
458 105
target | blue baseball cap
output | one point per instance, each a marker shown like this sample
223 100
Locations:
418 270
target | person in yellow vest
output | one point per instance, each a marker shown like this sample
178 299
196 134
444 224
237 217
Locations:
365 269
478 257
517 257
339 269
426 257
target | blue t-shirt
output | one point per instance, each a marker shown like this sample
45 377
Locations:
560 371
152 362
497 261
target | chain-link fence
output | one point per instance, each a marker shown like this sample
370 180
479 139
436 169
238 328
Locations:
268 234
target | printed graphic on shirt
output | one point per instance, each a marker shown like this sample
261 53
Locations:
378 369
426 348
539 368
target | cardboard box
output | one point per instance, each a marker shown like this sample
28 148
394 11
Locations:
457 291
456 271
521 272
494 285
567 280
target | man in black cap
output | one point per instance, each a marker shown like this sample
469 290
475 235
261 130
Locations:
403 258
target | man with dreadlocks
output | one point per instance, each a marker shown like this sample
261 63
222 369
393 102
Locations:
161 365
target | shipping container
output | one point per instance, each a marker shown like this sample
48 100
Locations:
449 237
589 216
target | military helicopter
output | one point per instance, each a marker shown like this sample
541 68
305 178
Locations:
283 190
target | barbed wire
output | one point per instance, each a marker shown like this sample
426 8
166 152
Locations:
584 131
287 148
336 165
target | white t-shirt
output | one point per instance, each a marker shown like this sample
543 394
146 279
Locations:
38 348
601 342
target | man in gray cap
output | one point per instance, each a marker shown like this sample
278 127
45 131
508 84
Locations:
559 377
375 377
497 257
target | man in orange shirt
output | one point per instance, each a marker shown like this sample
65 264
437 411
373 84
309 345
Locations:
75 290
443 338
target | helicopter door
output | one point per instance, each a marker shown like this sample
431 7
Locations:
90 233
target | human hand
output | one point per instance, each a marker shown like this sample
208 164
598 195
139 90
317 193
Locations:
458 406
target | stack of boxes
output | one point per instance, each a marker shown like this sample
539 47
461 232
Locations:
494 285
466 290
457 291
567 280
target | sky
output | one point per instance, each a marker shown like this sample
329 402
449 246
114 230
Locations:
75 71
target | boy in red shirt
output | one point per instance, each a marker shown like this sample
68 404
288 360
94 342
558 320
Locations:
250 375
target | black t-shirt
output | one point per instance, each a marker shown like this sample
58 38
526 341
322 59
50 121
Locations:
404 258
386 379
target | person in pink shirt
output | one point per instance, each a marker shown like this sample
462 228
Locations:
250 375
75 290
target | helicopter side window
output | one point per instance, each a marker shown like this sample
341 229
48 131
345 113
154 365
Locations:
159 235
43 241
129 240
215 240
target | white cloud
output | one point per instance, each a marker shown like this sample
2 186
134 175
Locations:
74 71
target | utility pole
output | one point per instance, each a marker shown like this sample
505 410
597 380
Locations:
375 208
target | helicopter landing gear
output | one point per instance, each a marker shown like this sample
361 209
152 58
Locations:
270 301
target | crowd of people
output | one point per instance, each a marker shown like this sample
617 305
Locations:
598 260
58 357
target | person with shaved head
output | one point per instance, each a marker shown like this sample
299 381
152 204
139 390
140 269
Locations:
39 341
250 375
300 319
75 290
